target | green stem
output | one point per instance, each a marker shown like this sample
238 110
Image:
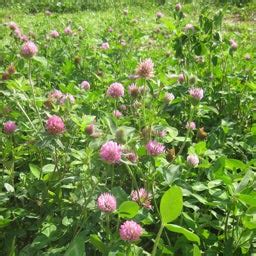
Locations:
112 175
157 240
33 92
132 176
24 112
191 113
226 226
108 226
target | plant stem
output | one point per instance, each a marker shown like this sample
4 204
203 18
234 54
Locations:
112 175
157 239
24 112
132 176
33 91
191 113
226 226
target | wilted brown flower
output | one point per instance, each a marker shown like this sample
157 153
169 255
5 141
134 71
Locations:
145 69
170 154
202 134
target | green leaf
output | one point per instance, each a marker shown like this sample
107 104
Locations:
128 209
48 229
48 168
76 247
9 188
119 194
196 251
4 222
171 204
248 199
249 176
200 147
188 234
97 243
41 60
232 164
35 170
249 220
172 133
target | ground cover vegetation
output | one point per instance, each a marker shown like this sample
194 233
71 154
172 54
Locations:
127 128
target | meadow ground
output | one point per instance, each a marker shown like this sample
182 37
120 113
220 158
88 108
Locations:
164 123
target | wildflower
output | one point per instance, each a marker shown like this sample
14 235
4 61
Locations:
111 152
29 49
193 160
115 90
11 69
12 25
85 85
67 98
130 231
178 7
55 96
104 46
24 38
168 97
5 76
68 30
89 129
181 78
9 127
54 34
55 125
117 113
191 125
196 93
131 156
122 107
133 90
247 56
142 197
155 148
145 69
233 44
189 27
159 15
106 202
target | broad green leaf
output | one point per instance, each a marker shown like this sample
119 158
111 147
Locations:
4 222
76 247
188 234
48 168
200 147
248 199
128 209
48 229
41 60
233 164
196 251
249 176
97 243
171 134
171 204
119 194
9 187
35 170
249 220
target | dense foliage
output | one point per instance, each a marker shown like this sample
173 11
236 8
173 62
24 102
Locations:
131 132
